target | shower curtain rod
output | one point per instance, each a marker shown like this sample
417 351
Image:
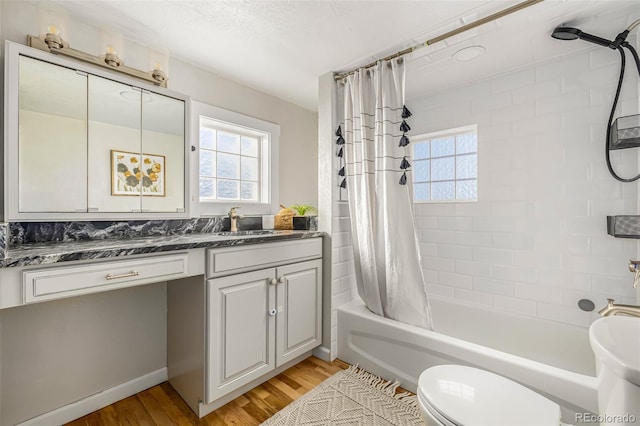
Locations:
493 17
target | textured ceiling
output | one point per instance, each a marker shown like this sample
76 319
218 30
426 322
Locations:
282 47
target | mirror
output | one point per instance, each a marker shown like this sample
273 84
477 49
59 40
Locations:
162 153
52 138
115 118
82 144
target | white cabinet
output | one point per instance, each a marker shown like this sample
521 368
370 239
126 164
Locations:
260 320
299 306
258 312
241 337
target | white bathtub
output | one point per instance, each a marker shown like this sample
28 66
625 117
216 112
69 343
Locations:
551 358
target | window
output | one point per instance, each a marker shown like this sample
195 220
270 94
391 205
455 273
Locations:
236 161
445 165
230 166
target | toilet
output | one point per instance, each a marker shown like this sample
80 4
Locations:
457 395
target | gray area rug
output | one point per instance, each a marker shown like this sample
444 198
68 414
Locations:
351 397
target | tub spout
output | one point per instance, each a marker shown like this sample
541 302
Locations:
619 309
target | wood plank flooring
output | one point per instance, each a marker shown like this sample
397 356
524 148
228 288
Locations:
161 405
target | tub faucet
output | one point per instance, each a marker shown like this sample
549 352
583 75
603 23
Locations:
233 218
616 309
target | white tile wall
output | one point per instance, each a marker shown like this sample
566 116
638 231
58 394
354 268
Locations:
343 279
536 240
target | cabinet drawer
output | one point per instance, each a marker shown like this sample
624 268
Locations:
244 258
67 281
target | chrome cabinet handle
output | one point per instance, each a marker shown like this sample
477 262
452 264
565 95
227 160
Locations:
273 281
282 279
115 277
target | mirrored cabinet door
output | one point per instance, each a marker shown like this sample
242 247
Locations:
163 180
82 143
52 138
115 166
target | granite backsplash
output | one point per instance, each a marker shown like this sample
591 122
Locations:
44 232
4 233
14 234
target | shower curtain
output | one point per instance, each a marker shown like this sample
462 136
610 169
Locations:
373 143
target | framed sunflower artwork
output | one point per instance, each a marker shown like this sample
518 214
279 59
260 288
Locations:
134 174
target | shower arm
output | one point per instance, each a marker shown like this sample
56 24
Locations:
633 25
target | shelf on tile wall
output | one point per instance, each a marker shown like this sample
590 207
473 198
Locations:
624 226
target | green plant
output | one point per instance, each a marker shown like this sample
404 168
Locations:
303 209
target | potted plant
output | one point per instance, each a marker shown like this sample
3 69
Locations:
302 219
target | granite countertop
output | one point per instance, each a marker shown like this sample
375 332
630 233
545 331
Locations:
54 252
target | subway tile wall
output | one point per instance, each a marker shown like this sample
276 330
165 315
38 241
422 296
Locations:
343 279
536 241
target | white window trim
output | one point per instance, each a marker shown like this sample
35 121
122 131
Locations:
443 134
216 208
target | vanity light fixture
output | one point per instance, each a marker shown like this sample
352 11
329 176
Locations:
52 38
159 63
52 42
110 58
113 44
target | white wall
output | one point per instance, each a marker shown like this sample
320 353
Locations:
58 352
536 240
298 127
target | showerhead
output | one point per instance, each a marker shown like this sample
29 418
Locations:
568 33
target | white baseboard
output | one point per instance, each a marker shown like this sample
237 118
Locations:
99 400
323 353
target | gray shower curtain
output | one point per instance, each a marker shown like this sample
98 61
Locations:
387 257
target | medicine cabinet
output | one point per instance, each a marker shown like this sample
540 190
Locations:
82 143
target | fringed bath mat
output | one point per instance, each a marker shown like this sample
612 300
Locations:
351 397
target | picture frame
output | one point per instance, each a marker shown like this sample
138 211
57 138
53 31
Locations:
135 174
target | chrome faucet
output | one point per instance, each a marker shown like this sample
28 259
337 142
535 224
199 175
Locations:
233 218
617 309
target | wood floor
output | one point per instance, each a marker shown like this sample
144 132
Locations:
161 405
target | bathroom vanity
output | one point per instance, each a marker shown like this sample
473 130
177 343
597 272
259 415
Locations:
240 308
258 313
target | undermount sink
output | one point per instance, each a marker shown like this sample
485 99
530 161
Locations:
615 340
248 233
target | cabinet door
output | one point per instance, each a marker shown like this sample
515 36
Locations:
162 181
299 300
82 145
241 331
52 138
114 146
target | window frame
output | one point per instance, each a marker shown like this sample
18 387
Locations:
472 128
267 159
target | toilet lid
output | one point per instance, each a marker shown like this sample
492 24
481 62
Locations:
469 396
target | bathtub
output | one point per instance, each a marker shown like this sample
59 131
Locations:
550 358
